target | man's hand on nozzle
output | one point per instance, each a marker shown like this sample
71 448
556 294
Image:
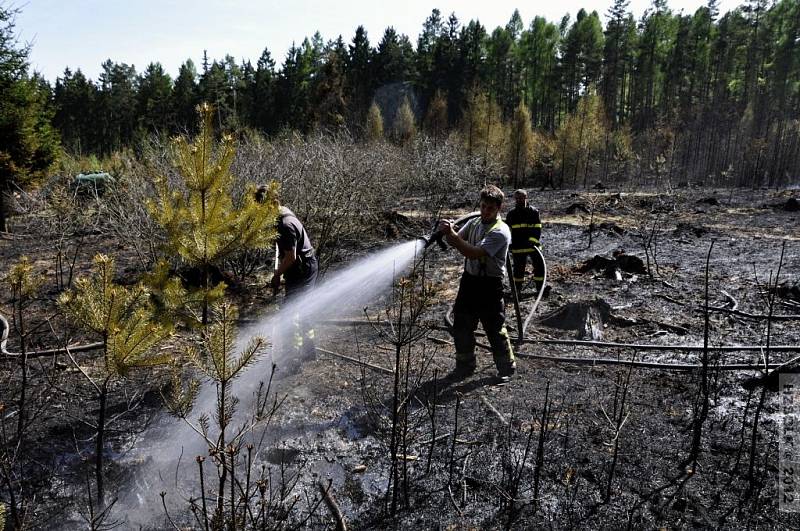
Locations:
275 283
445 228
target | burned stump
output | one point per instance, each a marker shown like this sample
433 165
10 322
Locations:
574 208
585 317
713 201
395 224
613 267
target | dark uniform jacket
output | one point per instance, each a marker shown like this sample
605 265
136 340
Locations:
526 229
292 235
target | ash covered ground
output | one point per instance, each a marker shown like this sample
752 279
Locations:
562 445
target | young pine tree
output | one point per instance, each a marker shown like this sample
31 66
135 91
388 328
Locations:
482 127
202 223
124 320
580 138
374 123
217 360
405 125
436 118
520 149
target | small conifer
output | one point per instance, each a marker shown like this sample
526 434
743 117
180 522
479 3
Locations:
436 117
520 148
123 318
374 123
405 126
202 222
217 359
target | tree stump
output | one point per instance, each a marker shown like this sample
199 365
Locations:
585 317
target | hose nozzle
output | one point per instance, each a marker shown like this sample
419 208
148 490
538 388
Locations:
434 237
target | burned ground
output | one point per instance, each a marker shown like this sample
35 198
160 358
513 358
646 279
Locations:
563 444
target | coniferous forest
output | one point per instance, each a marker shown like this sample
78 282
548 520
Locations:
714 97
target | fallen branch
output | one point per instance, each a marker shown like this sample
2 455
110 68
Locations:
731 300
455 505
439 341
493 409
51 352
670 299
356 361
39 353
441 438
341 525
748 315
353 322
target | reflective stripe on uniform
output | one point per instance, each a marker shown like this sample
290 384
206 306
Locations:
538 278
526 226
519 279
519 251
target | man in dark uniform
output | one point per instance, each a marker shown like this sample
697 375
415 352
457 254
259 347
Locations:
297 264
296 261
483 241
526 233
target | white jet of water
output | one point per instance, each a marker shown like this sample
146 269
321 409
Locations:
168 450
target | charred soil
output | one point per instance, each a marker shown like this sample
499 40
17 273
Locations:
562 445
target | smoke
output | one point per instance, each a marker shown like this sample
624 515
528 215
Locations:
165 458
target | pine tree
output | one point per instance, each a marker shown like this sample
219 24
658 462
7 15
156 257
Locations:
123 318
374 123
405 125
436 118
263 94
467 66
359 80
75 101
328 94
580 138
117 106
520 148
539 49
614 56
500 66
154 105
394 59
217 359
426 45
482 127
28 144
202 223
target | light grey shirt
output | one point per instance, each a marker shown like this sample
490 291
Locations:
494 238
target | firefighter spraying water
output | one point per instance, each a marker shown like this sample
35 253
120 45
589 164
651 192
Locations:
481 285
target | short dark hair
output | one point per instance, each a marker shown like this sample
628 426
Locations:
261 192
492 193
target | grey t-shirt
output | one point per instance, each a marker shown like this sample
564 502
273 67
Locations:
494 238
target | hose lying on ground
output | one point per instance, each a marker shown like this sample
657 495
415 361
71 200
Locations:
38 353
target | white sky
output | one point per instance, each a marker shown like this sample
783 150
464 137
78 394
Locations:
84 33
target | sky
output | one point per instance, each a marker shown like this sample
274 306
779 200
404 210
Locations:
84 33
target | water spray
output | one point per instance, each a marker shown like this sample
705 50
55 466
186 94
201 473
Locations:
164 457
